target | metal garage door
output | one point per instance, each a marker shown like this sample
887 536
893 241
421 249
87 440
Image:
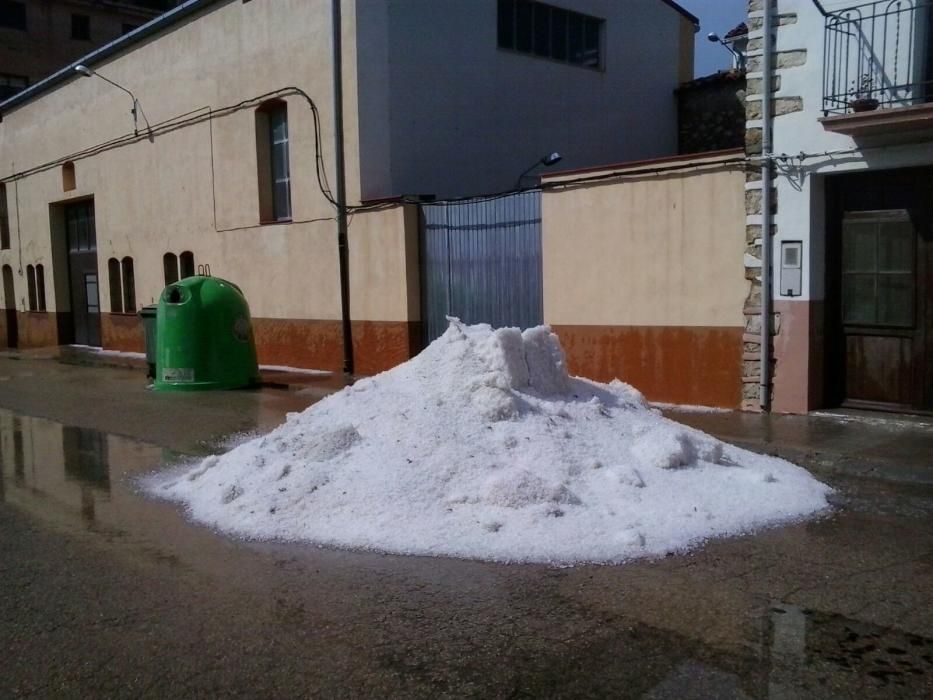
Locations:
481 262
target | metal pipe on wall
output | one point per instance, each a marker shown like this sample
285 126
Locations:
766 217
341 194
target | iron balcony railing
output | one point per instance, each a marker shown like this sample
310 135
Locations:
877 56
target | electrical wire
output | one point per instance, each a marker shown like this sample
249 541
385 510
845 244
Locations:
202 114
189 119
198 116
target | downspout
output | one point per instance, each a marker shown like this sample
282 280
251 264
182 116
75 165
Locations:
766 217
341 194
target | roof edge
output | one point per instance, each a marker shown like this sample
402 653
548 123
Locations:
688 15
703 157
116 46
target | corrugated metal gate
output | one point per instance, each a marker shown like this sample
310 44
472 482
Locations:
481 262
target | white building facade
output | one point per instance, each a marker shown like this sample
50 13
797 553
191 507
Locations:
851 223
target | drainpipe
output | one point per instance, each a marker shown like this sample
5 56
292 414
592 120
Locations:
766 218
341 194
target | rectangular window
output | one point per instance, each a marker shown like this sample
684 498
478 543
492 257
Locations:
79 225
13 14
11 84
878 269
272 159
186 264
116 293
40 287
278 137
507 25
31 287
541 30
81 27
559 34
524 26
129 286
4 220
90 289
170 268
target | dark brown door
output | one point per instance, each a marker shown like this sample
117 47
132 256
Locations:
82 267
9 306
880 295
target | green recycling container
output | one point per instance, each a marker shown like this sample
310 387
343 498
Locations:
204 337
149 315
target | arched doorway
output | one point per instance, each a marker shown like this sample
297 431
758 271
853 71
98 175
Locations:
9 306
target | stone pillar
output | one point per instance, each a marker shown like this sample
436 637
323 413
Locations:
782 104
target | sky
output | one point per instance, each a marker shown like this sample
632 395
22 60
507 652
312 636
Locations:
715 16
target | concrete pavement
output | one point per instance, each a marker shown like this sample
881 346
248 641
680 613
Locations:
104 592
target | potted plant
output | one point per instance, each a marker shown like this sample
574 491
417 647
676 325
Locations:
862 101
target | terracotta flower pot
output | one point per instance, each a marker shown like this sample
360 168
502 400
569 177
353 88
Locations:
864 104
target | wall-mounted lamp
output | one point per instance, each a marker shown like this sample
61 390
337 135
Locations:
550 159
137 109
739 57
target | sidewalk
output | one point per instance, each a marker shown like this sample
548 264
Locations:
291 378
884 446
888 446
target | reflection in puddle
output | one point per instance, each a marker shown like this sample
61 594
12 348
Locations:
66 465
19 461
86 457
811 649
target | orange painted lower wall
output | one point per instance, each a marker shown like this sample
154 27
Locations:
682 364
798 357
5 339
299 343
37 329
122 332
381 345
377 345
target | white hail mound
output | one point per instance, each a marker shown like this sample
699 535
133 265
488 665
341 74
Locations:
484 447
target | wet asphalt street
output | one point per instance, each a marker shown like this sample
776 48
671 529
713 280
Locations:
105 593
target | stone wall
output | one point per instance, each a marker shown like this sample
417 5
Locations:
711 113
782 61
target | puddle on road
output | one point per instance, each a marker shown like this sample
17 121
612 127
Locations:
813 650
82 480
47 467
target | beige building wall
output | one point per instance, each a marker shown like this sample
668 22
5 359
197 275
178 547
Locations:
195 188
644 277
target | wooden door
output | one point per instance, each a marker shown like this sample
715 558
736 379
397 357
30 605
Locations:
82 267
882 336
9 306
879 299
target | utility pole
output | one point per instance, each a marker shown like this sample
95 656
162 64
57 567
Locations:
342 243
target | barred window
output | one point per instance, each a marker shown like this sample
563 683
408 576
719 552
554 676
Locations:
122 285
541 30
272 159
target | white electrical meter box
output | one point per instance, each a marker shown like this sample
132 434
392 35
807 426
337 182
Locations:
791 268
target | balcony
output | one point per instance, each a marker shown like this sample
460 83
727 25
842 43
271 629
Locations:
878 68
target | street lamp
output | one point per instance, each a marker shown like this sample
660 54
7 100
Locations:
547 161
137 109
714 38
